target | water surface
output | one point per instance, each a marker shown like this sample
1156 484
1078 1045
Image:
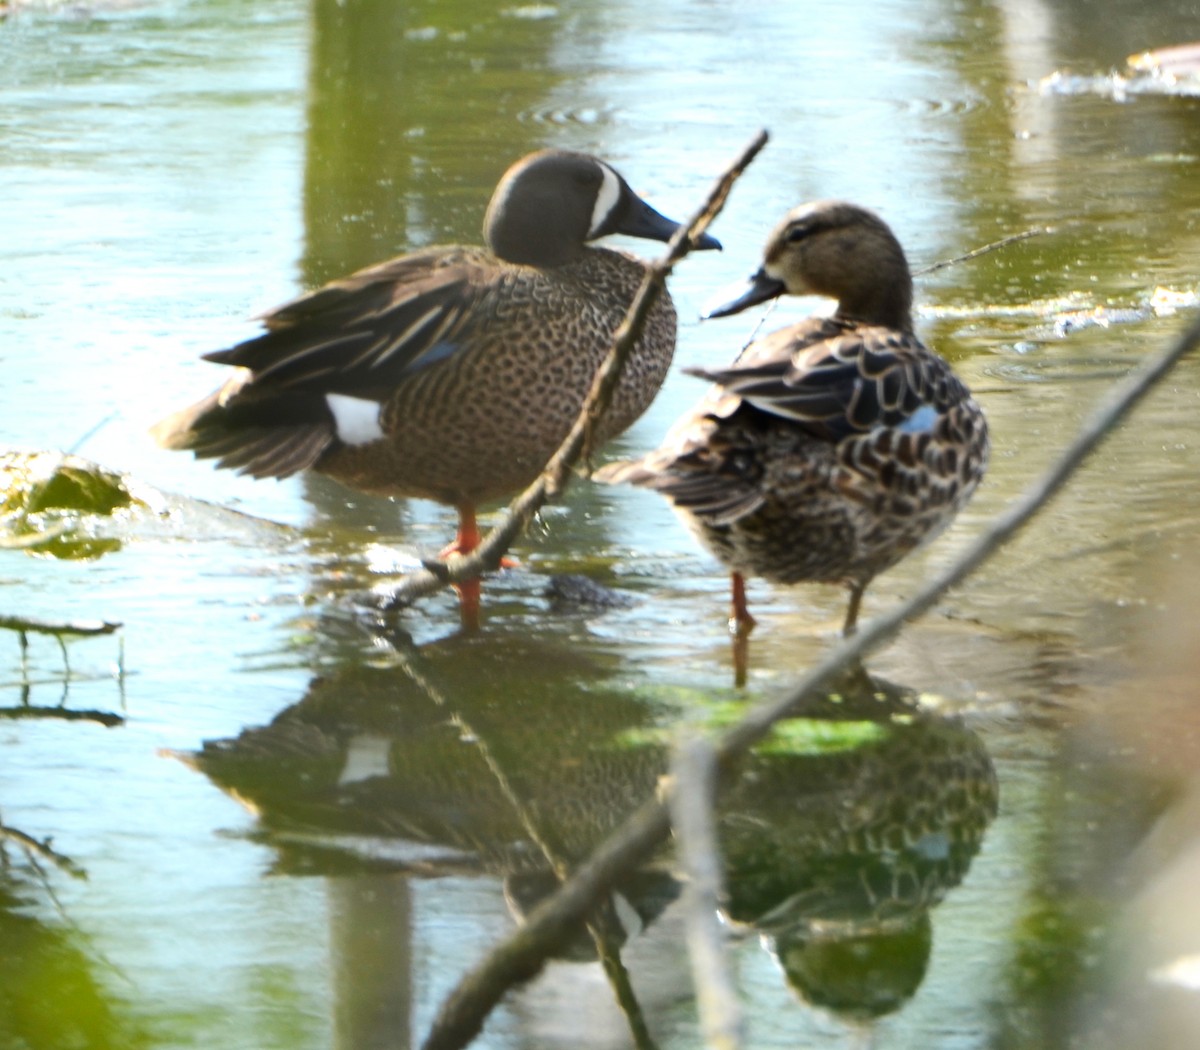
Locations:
325 875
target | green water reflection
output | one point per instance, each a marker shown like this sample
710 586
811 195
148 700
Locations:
167 169
410 123
51 994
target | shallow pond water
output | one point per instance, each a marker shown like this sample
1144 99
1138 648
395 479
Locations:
304 828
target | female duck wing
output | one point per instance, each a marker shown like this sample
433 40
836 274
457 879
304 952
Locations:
362 336
838 379
701 466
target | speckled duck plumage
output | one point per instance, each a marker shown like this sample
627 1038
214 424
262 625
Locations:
831 448
451 373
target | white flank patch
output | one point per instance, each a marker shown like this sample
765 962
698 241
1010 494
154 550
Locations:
606 199
921 420
367 756
357 419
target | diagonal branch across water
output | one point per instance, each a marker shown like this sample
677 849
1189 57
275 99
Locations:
520 956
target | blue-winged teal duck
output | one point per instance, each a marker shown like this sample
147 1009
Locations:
831 448
452 373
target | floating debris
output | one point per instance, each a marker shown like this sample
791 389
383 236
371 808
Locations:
1163 302
531 12
571 591
1163 71
1166 301
1068 314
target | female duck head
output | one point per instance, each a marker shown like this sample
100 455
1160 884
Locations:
839 250
550 204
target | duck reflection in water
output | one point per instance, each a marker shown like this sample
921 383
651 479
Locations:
838 837
837 858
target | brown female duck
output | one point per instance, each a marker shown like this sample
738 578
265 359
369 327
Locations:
829 449
452 373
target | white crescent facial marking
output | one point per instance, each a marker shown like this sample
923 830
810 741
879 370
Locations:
356 418
606 199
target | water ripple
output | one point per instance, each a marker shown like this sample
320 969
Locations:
566 115
937 107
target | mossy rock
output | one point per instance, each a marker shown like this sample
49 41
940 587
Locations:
53 504
36 482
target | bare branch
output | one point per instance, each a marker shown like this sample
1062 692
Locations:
58 628
693 801
43 850
521 956
63 714
975 253
618 977
604 938
35 539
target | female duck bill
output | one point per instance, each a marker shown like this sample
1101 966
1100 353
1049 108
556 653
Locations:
760 288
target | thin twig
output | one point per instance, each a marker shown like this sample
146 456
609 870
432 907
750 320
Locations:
521 956
975 253
693 800
58 628
456 1027
66 714
36 848
576 446
618 976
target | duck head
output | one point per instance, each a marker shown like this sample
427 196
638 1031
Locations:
551 203
839 250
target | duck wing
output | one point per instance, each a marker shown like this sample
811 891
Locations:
363 335
360 337
826 380
838 379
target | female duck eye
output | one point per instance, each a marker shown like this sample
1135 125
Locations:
796 234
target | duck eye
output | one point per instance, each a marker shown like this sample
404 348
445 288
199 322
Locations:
796 234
